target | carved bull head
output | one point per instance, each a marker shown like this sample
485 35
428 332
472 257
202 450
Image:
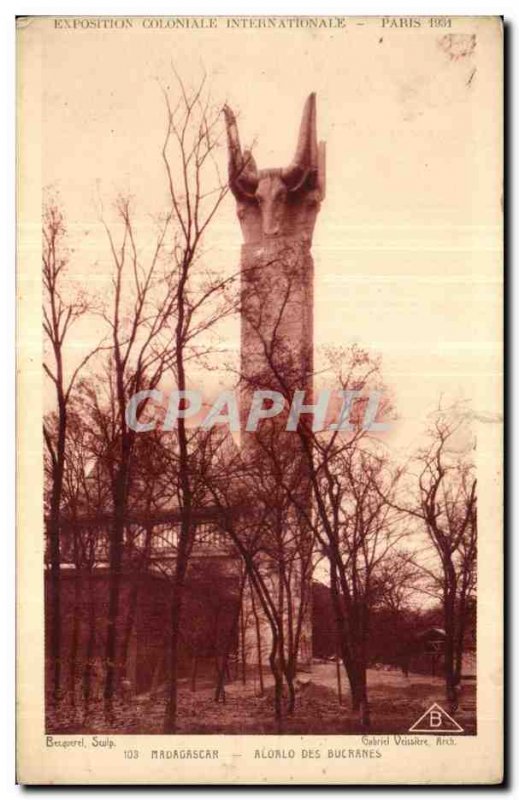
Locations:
270 192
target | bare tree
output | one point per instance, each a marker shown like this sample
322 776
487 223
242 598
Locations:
164 308
142 307
78 545
86 500
196 191
447 507
400 581
231 482
62 307
287 550
150 491
252 489
356 529
341 476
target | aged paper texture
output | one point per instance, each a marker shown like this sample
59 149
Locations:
260 400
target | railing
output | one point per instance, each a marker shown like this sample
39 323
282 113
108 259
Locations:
86 540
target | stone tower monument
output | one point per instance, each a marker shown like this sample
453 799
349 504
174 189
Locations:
277 210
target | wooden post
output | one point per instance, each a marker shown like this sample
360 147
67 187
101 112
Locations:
339 682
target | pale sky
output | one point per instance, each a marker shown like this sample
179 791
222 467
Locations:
407 242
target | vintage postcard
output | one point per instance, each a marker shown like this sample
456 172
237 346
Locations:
260 395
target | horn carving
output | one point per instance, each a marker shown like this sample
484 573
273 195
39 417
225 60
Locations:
243 172
304 166
307 168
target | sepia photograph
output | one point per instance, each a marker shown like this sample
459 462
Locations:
260 357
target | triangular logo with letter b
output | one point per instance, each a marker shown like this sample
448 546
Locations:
436 720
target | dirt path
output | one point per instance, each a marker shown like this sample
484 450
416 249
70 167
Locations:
396 703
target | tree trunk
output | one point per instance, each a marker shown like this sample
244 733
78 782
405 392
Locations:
363 709
278 682
339 682
186 499
170 721
90 647
55 556
343 638
74 644
449 609
115 566
243 647
291 705
258 641
460 635
55 622
133 601
219 693
236 624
